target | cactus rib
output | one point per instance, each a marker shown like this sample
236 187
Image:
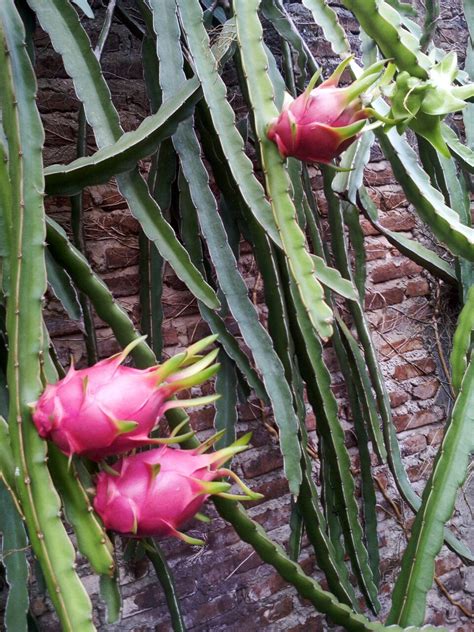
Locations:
255 63
462 341
384 24
230 280
68 37
327 19
24 325
439 496
124 154
223 118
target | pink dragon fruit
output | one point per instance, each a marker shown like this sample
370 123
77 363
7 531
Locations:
155 493
110 408
322 122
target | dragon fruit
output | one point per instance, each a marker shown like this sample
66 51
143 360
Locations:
155 493
323 121
109 408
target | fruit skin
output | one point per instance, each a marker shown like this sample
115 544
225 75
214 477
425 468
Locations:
154 493
108 409
309 127
322 122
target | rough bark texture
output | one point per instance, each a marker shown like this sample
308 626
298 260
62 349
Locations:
224 586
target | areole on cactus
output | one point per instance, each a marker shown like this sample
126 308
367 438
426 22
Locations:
109 408
156 492
322 122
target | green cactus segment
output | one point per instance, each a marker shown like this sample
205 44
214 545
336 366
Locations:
110 594
127 151
449 473
60 284
408 247
462 341
308 588
255 63
384 24
428 201
365 388
281 321
5 216
192 240
327 19
274 11
226 415
357 394
40 503
165 577
464 154
230 280
332 278
68 37
7 463
84 278
325 406
13 554
223 118
92 540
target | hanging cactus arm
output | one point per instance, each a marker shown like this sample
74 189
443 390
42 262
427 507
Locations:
428 201
24 325
59 19
449 472
255 63
327 19
383 24
131 147
223 118
99 294
13 553
230 280
462 341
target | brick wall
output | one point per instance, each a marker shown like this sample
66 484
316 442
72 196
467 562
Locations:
224 585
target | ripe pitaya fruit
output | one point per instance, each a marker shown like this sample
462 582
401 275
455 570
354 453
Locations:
155 493
322 122
110 408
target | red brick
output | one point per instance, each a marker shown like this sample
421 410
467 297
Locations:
434 437
262 463
398 397
314 623
400 345
376 248
394 269
419 419
413 444
418 472
378 300
418 287
379 173
274 488
426 390
447 563
276 611
421 366
399 221
123 284
120 257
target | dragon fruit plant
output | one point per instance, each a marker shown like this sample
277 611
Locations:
213 181
156 492
110 408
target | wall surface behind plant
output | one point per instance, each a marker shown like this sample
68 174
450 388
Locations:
224 586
